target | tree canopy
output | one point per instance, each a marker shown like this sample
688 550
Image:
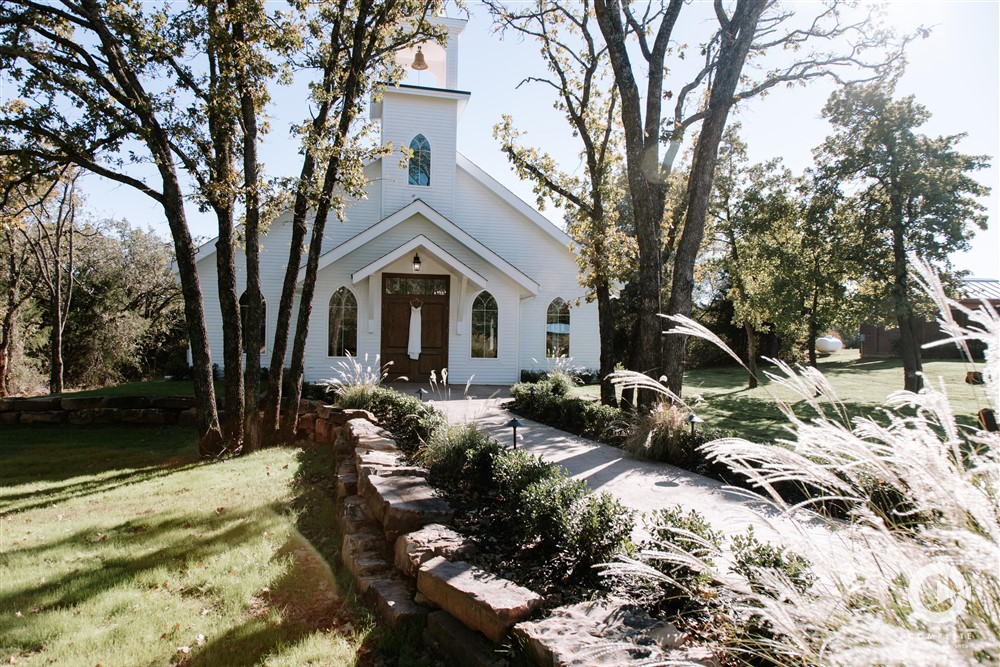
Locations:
914 195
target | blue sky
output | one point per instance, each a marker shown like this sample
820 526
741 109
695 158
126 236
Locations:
955 73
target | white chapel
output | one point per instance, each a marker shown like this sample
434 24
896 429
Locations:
439 266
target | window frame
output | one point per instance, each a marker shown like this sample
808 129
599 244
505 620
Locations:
420 157
472 326
551 353
329 323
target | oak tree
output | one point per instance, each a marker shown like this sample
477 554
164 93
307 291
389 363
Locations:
577 65
914 195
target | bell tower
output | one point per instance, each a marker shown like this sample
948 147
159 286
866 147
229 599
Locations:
421 113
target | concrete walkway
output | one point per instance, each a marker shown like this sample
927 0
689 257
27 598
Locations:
646 486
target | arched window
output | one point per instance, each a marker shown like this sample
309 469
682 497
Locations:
485 316
245 312
557 329
420 161
343 332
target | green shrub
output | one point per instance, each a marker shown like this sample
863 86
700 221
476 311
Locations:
571 530
751 557
690 532
353 397
529 376
477 474
546 402
408 418
459 455
602 528
515 470
681 545
546 510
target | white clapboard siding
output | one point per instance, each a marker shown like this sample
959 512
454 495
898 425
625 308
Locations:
538 265
403 117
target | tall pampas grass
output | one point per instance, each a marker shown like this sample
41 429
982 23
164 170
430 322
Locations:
910 581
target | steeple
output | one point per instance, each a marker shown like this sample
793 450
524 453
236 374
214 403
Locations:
421 114
441 60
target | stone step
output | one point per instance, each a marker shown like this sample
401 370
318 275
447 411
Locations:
481 601
416 548
369 436
392 598
354 516
603 634
459 645
364 555
347 480
403 503
378 459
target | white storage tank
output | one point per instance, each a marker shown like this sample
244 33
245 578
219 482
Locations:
828 344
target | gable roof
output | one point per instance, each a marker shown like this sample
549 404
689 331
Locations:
420 241
419 206
522 207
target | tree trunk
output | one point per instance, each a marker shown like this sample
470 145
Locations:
6 345
646 180
909 339
297 370
210 441
232 330
55 345
255 314
272 427
811 338
909 348
606 323
736 41
752 381
353 87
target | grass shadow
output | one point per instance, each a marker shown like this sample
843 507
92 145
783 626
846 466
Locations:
52 454
184 539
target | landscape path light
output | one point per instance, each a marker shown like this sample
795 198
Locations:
514 423
693 419
421 393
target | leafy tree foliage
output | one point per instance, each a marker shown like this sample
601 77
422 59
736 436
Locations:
578 78
913 195
50 232
641 47
789 246
120 311
350 53
127 318
88 82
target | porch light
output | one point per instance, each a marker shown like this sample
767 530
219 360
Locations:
416 262
514 423
693 419
419 63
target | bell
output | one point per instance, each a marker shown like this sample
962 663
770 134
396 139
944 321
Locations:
419 63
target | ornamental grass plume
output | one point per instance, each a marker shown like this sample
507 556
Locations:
912 576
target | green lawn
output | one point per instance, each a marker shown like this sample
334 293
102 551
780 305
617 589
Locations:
158 387
119 547
720 395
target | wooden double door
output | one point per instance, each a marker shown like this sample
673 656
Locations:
401 294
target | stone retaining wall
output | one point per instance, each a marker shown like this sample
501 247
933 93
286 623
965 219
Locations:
149 410
408 565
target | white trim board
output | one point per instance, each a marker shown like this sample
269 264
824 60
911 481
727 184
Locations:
418 206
